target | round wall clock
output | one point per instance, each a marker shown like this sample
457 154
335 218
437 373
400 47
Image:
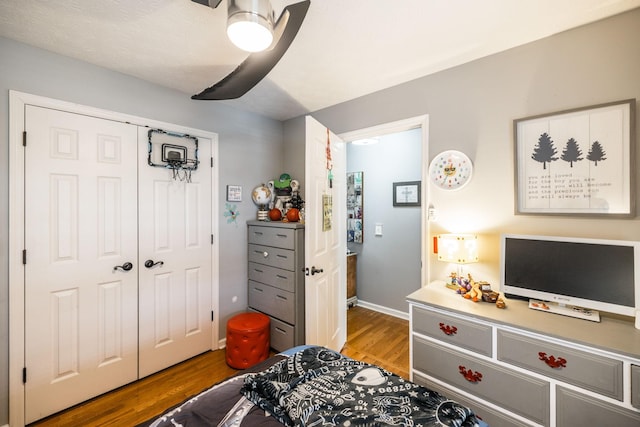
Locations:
450 170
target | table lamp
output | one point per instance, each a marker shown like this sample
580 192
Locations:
457 248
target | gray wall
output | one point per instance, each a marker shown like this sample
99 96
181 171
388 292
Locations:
472 107
388 265
250 148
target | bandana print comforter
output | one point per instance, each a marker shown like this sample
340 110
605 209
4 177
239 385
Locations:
319 387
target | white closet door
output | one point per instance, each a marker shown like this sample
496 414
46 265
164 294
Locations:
81 222
175 229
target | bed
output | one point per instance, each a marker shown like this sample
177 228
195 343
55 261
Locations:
316 386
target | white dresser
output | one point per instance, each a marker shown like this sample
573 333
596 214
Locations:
520 367
276 279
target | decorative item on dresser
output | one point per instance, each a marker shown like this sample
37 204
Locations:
276 279
522 367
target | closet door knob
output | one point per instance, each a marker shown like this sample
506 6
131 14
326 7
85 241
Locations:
151 263
124 267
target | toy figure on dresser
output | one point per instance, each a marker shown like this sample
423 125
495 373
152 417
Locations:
453 283
287 197
475 291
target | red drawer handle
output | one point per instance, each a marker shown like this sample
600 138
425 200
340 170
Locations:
469 375
552 361
448 330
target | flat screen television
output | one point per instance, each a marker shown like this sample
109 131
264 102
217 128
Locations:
593 274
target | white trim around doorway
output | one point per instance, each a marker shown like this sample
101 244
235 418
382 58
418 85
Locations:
421 122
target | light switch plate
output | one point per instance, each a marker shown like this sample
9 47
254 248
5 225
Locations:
378 231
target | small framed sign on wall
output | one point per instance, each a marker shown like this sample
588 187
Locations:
234 193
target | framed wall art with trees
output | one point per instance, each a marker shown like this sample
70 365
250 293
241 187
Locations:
577 162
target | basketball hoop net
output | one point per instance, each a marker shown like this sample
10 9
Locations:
180 156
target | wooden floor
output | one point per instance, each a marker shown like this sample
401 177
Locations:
371 337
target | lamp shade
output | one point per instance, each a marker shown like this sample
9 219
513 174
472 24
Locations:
250 24
458 248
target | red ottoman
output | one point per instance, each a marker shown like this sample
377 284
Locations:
247 340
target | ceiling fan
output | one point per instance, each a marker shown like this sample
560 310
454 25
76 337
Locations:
258 64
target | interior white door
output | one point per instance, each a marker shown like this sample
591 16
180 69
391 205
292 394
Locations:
325 237
81 222
175 229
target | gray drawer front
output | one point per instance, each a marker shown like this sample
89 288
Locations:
489 415
272 236
462 333
283 279
272 301
575 409
275 257
592 372
635 386
526 396
282 335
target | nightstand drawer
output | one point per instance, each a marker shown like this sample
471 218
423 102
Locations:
462 333
592 372
283 279
509 389
272 236
275 257
272 301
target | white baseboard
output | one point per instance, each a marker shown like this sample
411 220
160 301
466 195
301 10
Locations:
222 343
384 310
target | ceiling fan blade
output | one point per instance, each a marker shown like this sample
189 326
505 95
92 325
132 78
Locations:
258 65
213 4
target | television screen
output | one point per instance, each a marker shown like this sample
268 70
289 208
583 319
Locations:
586 269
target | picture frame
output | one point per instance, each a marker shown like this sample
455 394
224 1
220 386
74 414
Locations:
578 162
406 193
234 193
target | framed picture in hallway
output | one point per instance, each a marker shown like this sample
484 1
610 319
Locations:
406 193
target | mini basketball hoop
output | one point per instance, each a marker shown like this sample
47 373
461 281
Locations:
176 152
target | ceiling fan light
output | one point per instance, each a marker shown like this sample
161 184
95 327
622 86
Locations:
250 24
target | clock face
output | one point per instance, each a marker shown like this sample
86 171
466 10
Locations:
450 170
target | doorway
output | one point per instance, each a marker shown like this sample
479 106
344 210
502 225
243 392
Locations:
382 222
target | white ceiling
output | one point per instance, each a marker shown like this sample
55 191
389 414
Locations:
345 48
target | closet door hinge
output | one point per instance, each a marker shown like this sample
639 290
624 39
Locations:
24 375
24 138
24 257
212 162
212 239
212 316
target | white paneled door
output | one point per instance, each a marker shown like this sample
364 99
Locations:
81 222
118 272
175 288
325 237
